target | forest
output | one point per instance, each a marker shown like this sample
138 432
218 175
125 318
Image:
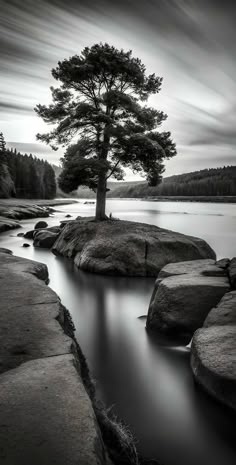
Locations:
25 176
207 182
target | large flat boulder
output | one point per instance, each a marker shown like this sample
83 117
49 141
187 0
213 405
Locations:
213 352
125 247
181 303
46 414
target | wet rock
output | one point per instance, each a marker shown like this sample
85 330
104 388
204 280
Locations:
232 272
41 225
45 239
181 303
126 248
30 234
7 224
68 216
20 235
26 245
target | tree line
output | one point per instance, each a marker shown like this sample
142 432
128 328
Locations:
25 176
207 182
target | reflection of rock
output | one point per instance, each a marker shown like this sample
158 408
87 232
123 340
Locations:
45 239
213 351
126 248
232 273
41 225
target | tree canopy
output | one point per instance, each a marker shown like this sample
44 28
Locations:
101 100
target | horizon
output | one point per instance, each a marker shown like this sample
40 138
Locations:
198 71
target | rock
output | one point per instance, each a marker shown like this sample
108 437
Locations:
213 362
223 263
3 250
7 224
181 303
46 414
20 234
232 272
213 351
41 225
68 216
26 245
207 267
125 247
45 239
29 234
224 313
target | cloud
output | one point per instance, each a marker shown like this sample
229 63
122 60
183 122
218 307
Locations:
191 43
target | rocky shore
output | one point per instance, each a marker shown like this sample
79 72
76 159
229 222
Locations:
14 210
49 412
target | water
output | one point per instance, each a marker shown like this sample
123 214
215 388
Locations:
150 385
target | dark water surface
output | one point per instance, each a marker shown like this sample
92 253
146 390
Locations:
149 384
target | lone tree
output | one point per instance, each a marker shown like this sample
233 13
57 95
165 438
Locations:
101 99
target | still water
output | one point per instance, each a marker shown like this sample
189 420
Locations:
149 385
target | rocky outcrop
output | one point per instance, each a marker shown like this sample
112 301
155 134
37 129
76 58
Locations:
48 407
213 352
45 239
6 224
183 295
126 248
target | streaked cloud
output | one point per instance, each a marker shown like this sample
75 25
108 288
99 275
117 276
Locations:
191 43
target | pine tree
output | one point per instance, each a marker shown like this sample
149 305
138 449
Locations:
101 99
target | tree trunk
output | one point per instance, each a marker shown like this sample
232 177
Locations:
101 198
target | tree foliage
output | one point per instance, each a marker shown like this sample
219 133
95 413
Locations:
101 99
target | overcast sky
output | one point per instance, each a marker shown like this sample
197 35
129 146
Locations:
191 43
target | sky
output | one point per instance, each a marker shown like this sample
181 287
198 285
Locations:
190 43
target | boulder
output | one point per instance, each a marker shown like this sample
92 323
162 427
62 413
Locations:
232 272
181 303
213 352
45 239
6 224
125 247
30 234
47 416
207 267
41 225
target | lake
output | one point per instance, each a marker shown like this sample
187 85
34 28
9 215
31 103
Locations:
149 385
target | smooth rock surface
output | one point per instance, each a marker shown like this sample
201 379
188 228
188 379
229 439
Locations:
181 303
207 267
213 352
213 362
46 414
125 247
